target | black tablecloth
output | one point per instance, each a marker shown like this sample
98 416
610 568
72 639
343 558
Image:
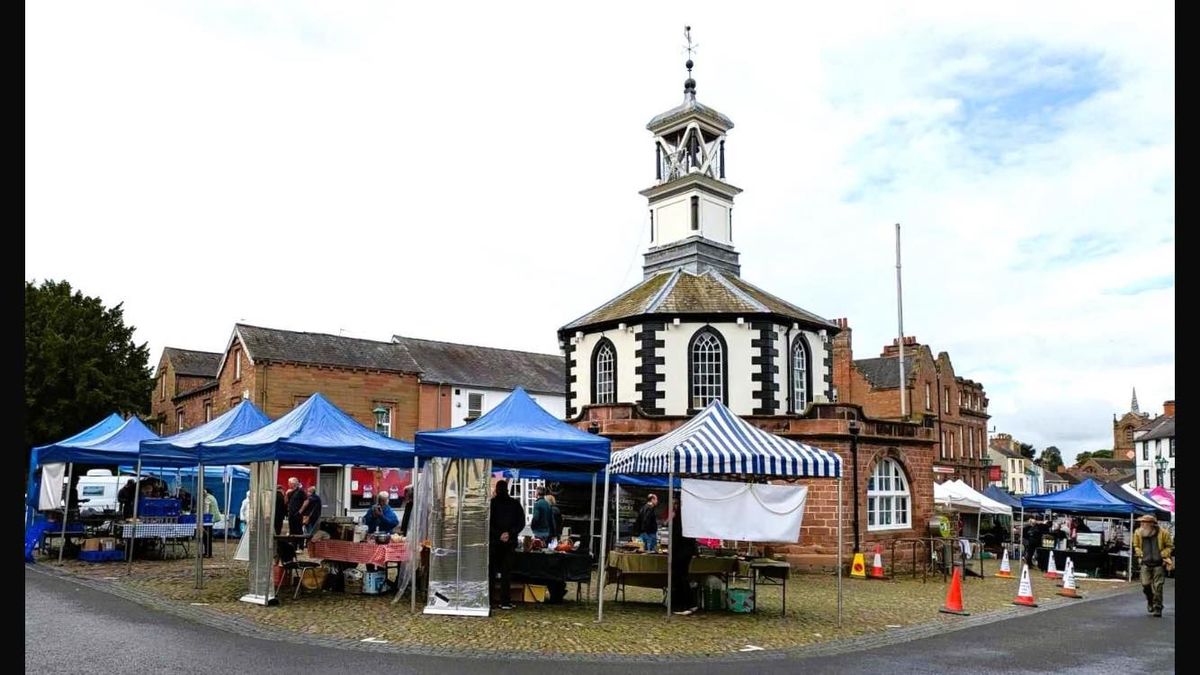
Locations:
1090 562
547 567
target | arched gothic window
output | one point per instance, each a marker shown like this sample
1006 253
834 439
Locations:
707 369
604 372
888 506
800 374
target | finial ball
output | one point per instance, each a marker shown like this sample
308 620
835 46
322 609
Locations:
689 64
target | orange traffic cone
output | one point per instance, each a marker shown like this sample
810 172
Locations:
1068 587
877 564
1005 570
954 603
858 568
1051 568
1025 589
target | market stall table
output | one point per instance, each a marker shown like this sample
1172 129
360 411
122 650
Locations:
766 572
1092 563
555 570
649 570
364 552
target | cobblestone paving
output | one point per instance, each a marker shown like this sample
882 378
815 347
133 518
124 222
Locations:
875 613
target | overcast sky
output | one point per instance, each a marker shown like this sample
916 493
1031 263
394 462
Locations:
470 173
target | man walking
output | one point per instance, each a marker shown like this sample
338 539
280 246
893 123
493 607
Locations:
647 524
1152 548
507 521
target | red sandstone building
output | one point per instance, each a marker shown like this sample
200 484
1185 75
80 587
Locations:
953 407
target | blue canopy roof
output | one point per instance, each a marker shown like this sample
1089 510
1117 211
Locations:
117 446
101 428
1086 498
585 478
716 441
994 492
1140 506
518 433
180 449
315 432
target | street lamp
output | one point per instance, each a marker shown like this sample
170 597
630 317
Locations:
1161 464
854 431
381 414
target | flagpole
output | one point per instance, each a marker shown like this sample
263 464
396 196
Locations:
900 322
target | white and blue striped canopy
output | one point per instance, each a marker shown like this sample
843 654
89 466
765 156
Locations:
718 442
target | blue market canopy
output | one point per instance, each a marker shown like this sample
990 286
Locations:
180 449
1001 496
315 432
716 441
518 433
584 477
1086 498
101 428
117 446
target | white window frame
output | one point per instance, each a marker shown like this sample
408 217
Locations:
799 377
942 449
1146 479
237 364
970 442
708 370
478 412
207 411
179 421
606 361
1172 478
888 482
928 399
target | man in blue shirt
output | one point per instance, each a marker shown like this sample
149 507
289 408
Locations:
381 517
542 521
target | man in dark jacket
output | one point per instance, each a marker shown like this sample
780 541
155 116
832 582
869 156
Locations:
647 524
683 549
408 504
542 521
280 510
506 522
125 497
295 502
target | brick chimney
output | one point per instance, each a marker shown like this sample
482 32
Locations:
1168 407
910 346
1002 442
843 358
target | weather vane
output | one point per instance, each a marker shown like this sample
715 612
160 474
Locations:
691 48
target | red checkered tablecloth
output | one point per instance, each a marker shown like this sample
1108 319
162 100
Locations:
365 552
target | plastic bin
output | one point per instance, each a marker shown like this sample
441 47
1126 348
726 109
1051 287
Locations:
739 600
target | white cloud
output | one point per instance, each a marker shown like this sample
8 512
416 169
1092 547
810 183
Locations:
470 172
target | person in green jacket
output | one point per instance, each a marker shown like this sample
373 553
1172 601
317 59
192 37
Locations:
1152 549
542 521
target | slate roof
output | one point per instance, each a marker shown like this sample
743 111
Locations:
680 292
884 372
487 367
1052 477
273 344
1162 426
194 363
1114 464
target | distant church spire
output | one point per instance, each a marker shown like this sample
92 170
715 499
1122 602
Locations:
1134 406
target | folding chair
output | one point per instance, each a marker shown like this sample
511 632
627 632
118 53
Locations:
286 552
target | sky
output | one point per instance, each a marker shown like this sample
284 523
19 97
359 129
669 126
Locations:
470 172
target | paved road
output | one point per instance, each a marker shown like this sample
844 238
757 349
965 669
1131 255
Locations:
71 629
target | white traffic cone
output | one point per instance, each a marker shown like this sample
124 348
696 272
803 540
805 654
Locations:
1005 570
1025 589
1051 568
1068 587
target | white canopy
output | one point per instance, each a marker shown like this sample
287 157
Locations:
958 496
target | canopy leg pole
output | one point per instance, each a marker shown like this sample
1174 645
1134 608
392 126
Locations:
228 510
671 544
199 512
839 553
592 521
603 550
137 494
1132 534
414 547
66 507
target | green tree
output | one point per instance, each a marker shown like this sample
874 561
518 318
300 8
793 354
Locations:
1052 459
1027 450
1082 457
80 363
1102 454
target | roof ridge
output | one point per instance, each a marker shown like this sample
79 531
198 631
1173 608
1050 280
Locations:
663 292
305 332
465 344
720 278
193 351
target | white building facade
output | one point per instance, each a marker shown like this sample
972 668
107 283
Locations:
1154 452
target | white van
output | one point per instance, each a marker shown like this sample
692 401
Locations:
97 491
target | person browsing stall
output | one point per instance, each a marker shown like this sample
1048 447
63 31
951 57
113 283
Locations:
543 516
310 513
647 524
381 517
683 549
408 504
505 525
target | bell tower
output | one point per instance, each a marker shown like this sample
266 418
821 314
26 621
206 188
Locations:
691 204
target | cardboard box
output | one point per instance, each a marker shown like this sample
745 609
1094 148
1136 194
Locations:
534 593
91 544
108 544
